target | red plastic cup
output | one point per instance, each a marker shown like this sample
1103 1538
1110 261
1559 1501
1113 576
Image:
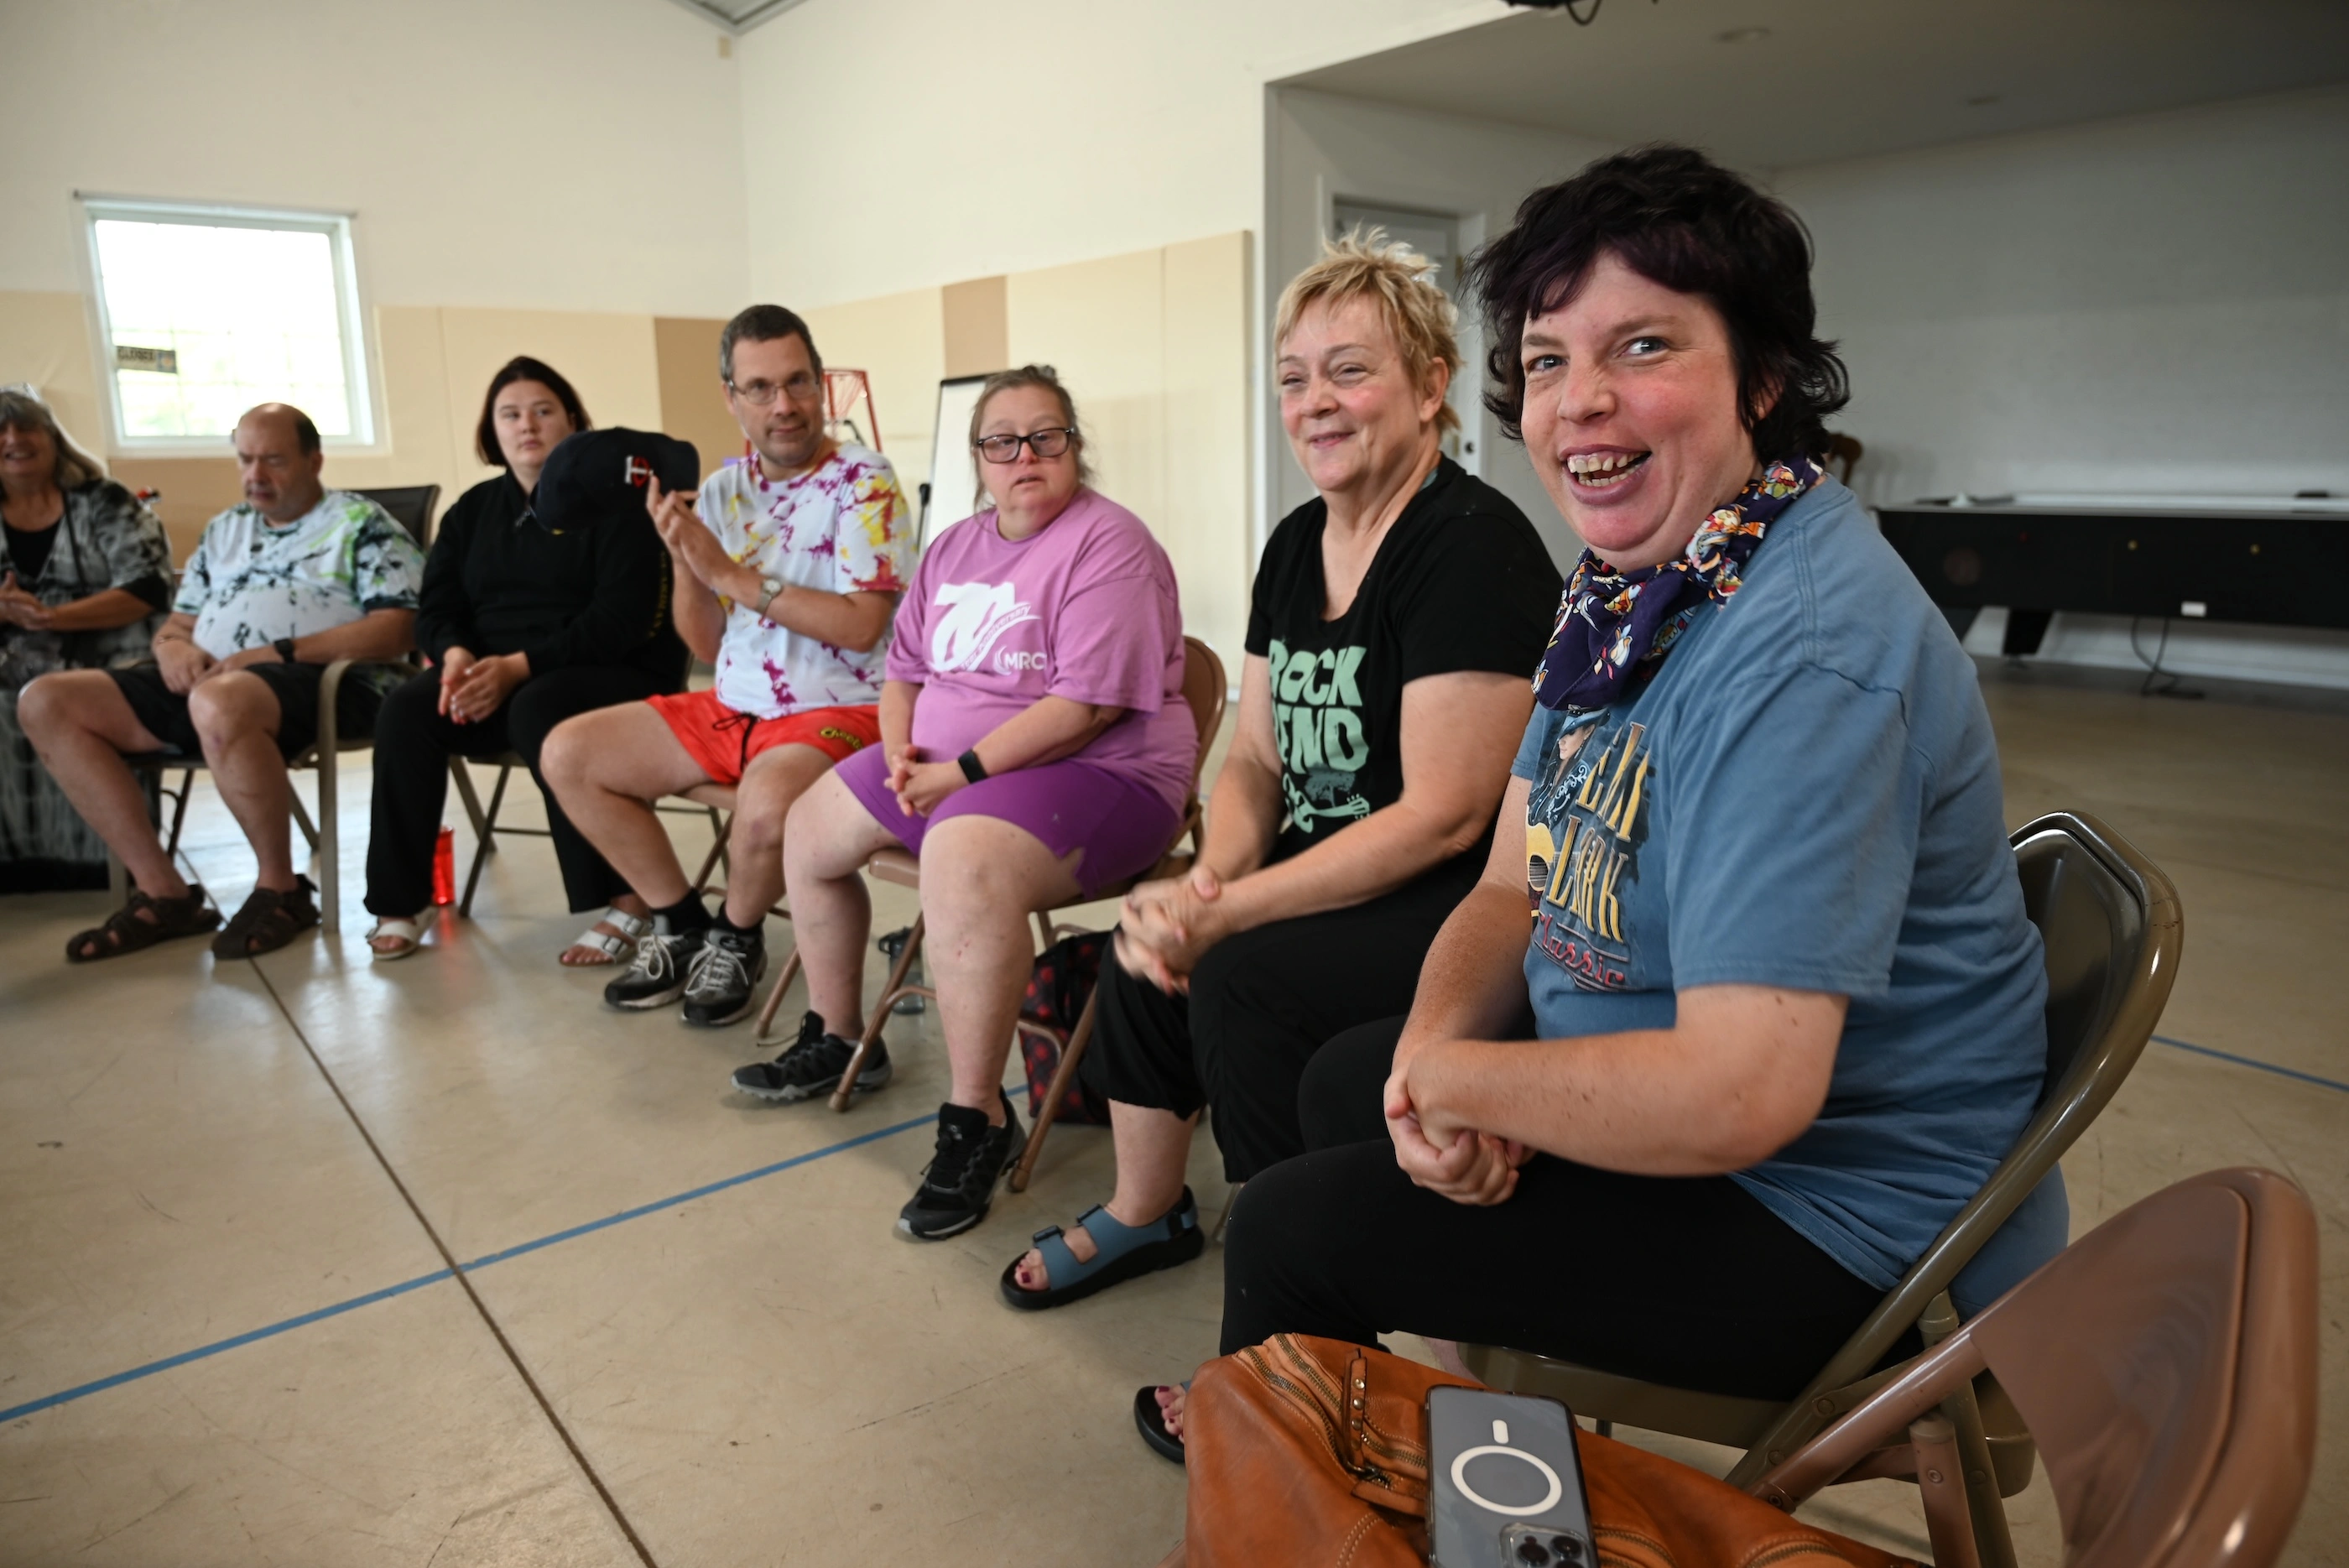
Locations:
444 867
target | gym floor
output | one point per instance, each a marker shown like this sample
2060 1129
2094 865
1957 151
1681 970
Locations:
316 1260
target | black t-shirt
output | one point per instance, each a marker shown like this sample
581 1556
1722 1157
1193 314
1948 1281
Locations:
1461 582
28 551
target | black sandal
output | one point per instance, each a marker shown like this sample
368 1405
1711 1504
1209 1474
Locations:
190 915
268 921
1151 1421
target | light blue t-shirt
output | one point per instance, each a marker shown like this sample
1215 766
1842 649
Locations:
1807 795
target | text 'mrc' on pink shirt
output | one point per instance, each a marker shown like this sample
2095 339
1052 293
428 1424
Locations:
1084 608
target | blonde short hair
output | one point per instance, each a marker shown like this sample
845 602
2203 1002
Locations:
1365 264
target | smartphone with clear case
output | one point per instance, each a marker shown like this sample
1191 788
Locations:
1504 1482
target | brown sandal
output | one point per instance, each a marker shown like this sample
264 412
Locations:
126 931
267 921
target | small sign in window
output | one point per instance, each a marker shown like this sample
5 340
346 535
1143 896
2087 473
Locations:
157 361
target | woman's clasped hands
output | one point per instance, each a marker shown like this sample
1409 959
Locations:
1444 1155
1166 926
922 787
472 689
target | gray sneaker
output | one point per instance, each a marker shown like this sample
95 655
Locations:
656 977
723 978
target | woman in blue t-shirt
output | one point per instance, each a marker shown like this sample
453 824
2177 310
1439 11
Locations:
1784 1002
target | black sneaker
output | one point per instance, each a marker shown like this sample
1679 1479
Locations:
813 1066
960 1183
723 978
657 978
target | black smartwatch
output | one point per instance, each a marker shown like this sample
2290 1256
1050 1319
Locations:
284 647
971 768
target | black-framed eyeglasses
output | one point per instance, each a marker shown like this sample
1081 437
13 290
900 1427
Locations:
1049 443
799 389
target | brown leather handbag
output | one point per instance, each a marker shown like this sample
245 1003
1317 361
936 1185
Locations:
1313 1453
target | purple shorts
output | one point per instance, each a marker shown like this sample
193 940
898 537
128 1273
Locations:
1068 805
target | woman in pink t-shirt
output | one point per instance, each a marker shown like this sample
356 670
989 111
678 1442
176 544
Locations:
1035 749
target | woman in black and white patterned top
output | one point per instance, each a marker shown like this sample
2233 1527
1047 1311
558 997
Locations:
85 574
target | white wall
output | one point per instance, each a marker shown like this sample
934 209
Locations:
1324 148
536 154
2153 303
934 140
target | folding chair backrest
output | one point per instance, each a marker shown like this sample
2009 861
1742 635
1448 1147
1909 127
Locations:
2110 923
411 506
2167 1366
1205 689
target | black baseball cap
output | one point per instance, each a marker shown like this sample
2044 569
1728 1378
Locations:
600 473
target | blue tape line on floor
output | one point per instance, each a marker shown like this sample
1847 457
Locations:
2254 1062
202 1351
289 1324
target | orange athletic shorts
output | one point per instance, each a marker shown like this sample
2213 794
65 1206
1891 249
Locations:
723 742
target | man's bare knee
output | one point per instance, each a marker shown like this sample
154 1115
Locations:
228 708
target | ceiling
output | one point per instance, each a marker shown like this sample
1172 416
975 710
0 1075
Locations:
1803 82
738 17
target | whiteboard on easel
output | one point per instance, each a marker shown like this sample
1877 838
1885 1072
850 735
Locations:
954 467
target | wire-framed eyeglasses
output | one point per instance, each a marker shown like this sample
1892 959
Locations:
799 387
1049 443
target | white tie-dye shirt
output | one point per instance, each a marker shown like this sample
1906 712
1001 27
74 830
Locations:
843 527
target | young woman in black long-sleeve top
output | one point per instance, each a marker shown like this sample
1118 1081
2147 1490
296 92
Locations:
525 628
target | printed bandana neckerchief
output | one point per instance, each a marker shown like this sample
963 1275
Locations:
1614 627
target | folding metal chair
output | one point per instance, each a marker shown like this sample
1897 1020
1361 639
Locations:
2167 1366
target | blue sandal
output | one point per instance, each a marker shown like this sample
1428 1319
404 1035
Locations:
1123 1252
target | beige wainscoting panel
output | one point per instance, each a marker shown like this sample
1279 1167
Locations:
978 336
898 340
1100 324
1205 530
692 395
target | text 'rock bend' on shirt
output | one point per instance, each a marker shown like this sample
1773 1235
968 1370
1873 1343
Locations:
1085 608
250 581
1807 795
1461 582
842 527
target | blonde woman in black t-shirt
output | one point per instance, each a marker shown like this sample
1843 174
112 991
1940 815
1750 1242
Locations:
1395 620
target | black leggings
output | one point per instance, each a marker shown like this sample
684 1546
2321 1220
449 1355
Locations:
1687 1281
1261 1003
413 744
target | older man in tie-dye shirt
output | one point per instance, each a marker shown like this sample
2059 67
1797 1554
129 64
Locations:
787 577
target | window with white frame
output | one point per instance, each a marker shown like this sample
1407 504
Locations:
210 310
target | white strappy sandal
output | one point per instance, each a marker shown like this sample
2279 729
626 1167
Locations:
410 935
631 927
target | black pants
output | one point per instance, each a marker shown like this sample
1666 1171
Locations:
1687 1281
1261 1003
413 744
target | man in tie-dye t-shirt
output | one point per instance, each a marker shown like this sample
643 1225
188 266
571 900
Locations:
787 573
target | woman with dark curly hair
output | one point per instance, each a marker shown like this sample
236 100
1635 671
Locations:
1783 1000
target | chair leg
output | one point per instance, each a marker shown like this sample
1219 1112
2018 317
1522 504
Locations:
485 825
461 775
329 849
179 813
1064 1074
1948 1522
722 825
775 997
1225 1218
1978 1480
845 1094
